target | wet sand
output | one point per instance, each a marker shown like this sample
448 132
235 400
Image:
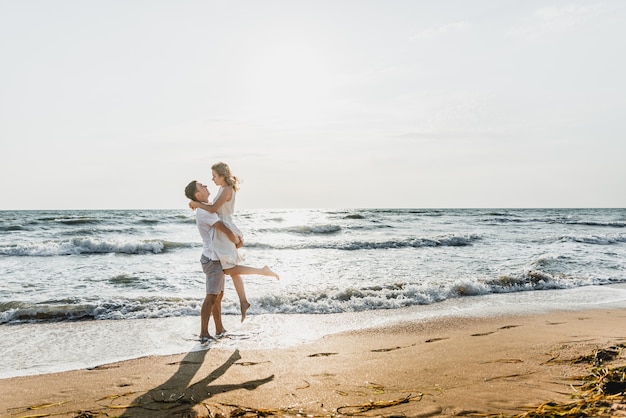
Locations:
444 367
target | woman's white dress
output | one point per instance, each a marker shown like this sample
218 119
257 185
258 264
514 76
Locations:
225 248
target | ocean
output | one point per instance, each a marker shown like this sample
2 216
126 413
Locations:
82 288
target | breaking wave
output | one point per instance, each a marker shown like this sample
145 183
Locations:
352 299
76 246
595 239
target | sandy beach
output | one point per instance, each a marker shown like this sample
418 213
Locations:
446 367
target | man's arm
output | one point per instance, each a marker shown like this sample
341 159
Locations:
231 236
224 197
194 204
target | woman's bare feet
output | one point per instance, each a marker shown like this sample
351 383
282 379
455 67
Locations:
268 272
244 308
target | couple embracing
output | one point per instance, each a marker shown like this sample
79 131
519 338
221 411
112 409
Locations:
221 240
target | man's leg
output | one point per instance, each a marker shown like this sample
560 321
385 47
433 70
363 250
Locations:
205 314
214 292
217 314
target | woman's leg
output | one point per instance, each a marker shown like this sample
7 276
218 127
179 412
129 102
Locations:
241 292
265 271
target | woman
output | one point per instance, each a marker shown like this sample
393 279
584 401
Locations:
224 206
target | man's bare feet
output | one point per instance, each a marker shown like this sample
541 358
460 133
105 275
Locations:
268 272
205 339
244 308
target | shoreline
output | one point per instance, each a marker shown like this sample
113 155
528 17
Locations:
42 348
33 349
445 366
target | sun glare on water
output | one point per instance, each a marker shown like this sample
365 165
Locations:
292 231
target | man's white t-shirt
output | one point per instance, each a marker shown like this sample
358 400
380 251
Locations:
205 221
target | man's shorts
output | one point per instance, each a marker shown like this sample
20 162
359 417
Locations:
214 275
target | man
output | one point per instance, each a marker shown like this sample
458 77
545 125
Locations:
207 224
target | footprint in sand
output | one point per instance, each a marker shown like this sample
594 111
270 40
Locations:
432 340
322 354
509 326
249 363
505 360
176 363
384 350
103 367
491 332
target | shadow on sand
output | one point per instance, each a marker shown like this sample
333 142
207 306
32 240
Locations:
177 398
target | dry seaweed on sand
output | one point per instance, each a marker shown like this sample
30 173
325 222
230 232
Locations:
597 358
580 408
600 356
37 408
606 381
348 410
358 409
115 396
599 395
47 405
240 411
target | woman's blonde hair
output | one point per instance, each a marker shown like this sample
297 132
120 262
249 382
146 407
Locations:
222 169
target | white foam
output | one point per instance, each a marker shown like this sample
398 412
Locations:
43 348
84 245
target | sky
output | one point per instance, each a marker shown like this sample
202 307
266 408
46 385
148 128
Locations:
118 104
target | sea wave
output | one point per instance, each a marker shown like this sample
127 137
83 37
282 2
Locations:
315 229
10 228
354 216
451 240
305 229
351 299
165 219
442 241
537 280
590 223
81 310
595 239
403 295
70 220
355 245
87 245
84 245
507 219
